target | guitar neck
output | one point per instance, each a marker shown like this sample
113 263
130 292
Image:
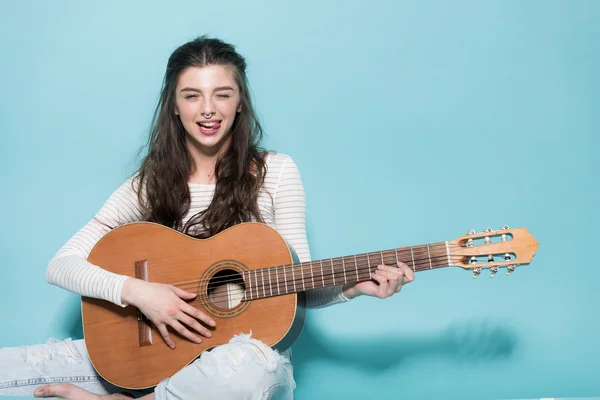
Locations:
294 278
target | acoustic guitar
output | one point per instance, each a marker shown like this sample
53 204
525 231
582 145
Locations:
247 279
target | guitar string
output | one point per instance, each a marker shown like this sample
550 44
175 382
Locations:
263 289
307 265
363 258
269 288
300 278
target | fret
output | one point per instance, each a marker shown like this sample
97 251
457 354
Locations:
382 261
369 265
249 288
293 278
332 271
302 274
448 253
430 266
356 268
396 253
344 269
256 279
312 278
277 280
413 259
285 280
262 275
322 273
270 284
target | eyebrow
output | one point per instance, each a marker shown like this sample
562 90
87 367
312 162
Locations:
220 88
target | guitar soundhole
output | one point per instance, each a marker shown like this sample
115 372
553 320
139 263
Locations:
226 289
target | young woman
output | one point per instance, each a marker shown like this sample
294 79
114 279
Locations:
204 172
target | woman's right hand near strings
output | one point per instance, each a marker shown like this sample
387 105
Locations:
164 305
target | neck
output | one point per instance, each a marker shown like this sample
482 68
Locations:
204 160
285 279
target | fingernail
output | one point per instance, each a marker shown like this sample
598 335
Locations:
198 340
212 323
208 334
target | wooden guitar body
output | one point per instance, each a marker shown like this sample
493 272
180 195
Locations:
128 351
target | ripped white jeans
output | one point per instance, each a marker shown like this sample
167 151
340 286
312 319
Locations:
245 368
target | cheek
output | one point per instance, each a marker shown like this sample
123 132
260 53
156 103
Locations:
229 108
187 111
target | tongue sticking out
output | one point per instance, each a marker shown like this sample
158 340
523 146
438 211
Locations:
216 125
209 129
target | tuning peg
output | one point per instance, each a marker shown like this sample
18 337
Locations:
487 238
494 269
476 272
505 227
471 232
510 269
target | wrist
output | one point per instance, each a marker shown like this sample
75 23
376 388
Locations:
129 291
349 291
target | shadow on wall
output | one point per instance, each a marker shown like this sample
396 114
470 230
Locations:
464 342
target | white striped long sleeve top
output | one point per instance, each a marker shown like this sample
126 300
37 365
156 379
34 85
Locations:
285 211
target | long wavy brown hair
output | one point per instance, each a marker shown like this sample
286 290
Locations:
162 180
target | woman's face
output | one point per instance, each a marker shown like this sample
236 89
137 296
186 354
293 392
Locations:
202 91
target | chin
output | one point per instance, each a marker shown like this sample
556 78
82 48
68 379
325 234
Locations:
208 142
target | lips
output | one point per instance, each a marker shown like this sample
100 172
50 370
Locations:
209 128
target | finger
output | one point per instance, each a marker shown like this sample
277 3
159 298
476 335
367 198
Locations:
194 324
409 274
194 312
394 271
395 278
402 265
182 293
392 275
63 390
394 281
162 328
183 331
383 284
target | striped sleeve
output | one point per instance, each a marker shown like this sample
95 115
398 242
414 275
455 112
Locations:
69 268
290 222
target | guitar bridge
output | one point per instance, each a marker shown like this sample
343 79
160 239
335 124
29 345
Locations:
144 331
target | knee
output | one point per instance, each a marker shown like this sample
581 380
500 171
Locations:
245 348
243 368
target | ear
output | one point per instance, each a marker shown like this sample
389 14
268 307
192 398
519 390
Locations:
176 110
239 109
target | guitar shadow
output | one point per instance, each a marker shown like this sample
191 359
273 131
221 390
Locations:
465 342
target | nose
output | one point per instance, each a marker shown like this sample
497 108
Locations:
208 107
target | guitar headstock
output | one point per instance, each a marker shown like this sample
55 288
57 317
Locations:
493 249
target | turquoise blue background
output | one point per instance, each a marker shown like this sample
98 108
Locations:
411 122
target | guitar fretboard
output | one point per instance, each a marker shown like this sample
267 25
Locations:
286 279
